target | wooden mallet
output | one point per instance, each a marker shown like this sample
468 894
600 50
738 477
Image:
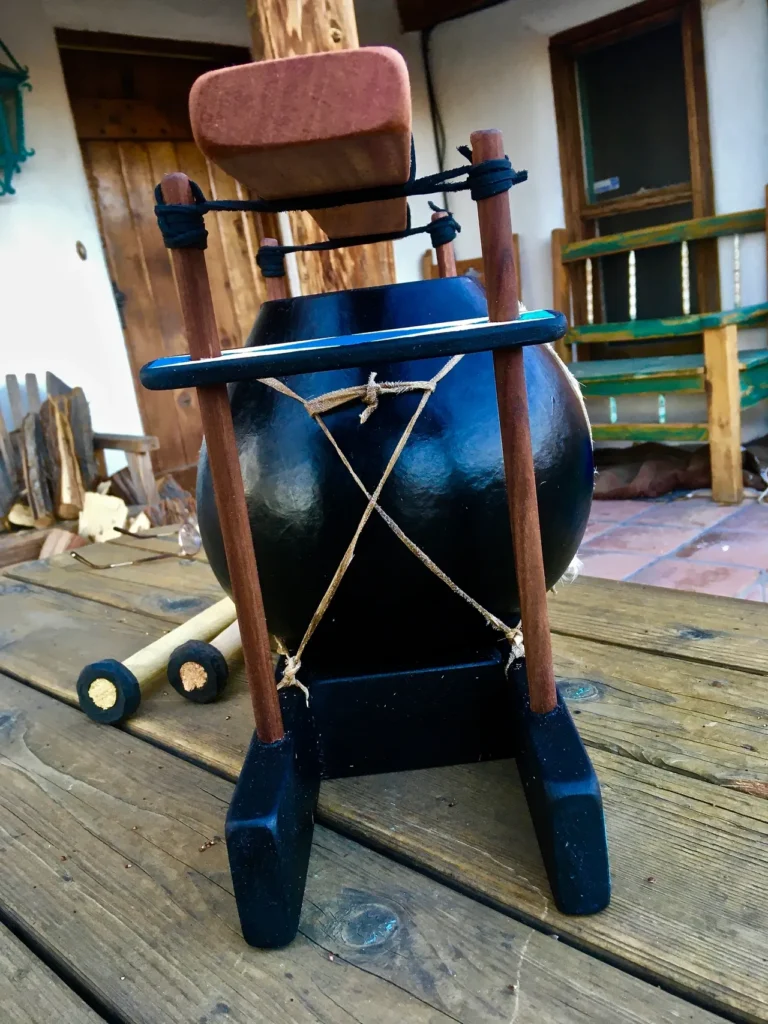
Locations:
199 671
110 691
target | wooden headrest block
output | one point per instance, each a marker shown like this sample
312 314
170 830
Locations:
313 124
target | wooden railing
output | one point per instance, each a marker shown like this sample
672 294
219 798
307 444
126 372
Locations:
719 369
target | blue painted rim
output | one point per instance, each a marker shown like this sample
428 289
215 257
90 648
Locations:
479 335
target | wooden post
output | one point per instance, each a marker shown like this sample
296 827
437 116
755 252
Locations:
501 289
277 287
561 292
446 256
318 28
721 368
203 339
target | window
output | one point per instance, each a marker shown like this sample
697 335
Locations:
630 97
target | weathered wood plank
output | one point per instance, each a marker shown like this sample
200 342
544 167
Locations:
694 846
108 864
718 631
669 327
704 721
688 860
741 223
64 574
46 637
160 542
185 575
664 432
31 993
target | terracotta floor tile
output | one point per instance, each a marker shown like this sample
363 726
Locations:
726 546
653 540
684 574
700 512
610 565
753 516
617 511
596 527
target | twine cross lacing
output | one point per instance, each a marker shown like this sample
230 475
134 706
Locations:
369 394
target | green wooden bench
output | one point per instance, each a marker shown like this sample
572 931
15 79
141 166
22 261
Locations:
730 379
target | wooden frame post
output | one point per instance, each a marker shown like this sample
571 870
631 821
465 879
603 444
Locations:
561 292
721 369
203 339
446 255
501 288
277 287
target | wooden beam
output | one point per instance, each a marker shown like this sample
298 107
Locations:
741 223
666 433
670 327
318 28
721 361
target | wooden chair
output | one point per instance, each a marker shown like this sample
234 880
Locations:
730 379
53 456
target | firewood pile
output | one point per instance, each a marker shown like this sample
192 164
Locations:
54 489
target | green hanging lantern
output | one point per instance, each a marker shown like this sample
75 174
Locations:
13 80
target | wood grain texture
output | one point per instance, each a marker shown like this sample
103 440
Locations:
702 842
310 124
200 326
287 28
717 631
687 859
721 362
171 603
501 289
31 993
112 863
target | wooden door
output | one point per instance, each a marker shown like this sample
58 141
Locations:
130 110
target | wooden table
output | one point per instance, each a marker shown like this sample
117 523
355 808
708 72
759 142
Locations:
426 899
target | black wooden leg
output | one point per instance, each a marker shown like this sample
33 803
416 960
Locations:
269 832
564 800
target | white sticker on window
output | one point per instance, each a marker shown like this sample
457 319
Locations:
605 185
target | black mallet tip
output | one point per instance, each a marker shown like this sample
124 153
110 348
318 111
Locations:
108 691
198 671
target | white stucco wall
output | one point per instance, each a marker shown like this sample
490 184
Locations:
491 69
58 313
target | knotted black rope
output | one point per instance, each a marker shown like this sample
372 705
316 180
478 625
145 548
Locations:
270 258
182 224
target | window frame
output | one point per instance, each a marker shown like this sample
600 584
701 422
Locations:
581 215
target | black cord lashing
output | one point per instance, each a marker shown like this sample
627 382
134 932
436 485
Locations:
271 258
182 224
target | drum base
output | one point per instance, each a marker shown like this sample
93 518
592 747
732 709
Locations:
400 721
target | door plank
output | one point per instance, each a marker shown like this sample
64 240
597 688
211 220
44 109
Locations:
239 245
193 163
144 338
112 864
139 163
